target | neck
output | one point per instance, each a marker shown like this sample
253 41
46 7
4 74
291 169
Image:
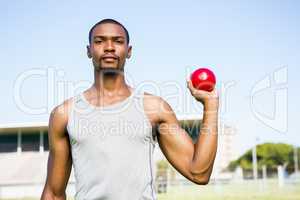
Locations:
109 81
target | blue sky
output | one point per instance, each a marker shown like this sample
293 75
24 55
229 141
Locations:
241 41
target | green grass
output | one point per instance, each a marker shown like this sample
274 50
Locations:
246 191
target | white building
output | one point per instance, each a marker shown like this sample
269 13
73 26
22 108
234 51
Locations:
226 151
24 153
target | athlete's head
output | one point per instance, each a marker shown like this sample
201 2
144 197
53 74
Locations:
108 45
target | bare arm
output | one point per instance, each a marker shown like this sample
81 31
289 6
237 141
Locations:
194 161
59 161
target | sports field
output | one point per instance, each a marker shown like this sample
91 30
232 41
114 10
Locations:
247 190
238 191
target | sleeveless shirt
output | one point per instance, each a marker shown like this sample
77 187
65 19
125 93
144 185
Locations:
112 149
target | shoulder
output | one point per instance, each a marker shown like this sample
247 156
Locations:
153 101
156 101
157 105
60 114
151 98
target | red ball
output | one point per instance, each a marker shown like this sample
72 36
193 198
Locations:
203 79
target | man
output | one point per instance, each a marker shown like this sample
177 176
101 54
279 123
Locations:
111 159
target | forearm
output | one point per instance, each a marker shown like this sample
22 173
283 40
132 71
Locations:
48 194
56 182
206 146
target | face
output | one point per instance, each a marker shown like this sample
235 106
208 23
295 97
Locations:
108 48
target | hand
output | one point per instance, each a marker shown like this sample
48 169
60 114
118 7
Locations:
206 98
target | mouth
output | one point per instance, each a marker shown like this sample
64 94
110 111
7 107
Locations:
109 58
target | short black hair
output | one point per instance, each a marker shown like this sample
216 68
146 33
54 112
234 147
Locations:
104 21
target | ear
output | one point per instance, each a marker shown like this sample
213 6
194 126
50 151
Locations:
88 51
129 52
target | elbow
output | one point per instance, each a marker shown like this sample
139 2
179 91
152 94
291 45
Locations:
201 176
201 180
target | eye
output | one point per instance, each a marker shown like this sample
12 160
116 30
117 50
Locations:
120 41
97 41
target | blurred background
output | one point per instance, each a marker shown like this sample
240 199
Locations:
250 45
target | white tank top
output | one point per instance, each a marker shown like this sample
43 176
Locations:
112 150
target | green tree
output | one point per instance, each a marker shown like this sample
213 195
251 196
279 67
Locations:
269 154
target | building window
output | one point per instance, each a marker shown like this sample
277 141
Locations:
192 128
46 141
30 141
8 143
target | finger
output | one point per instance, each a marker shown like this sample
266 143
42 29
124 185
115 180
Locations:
188 83
191 87
215 92
199 93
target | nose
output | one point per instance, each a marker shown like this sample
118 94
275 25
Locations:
109 46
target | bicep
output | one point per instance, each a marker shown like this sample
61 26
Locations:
174 141
59 161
